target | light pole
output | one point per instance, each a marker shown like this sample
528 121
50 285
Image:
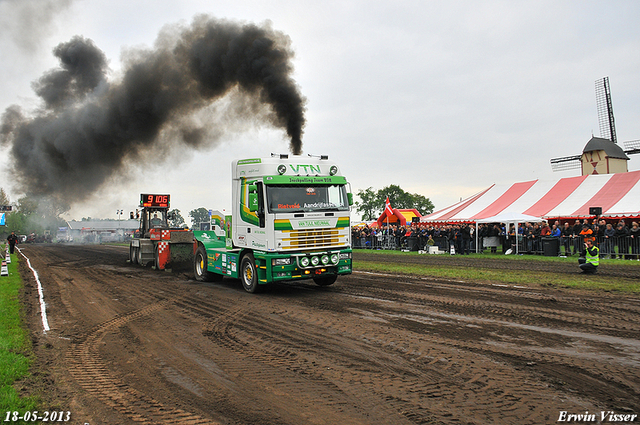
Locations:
119 213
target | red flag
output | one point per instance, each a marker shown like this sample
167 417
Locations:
387 207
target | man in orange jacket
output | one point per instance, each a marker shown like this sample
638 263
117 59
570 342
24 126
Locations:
587 234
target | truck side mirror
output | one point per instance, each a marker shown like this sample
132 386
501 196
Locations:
253 197
350 198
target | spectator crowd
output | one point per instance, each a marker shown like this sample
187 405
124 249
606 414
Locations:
615 239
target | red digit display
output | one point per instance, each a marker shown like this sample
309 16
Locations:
147 200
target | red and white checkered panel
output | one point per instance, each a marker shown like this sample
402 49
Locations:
164 254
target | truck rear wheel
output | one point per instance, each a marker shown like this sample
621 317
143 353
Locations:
200 264
248 273
133 255
139 255
325 280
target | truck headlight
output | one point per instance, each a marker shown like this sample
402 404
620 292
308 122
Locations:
304 261
335 258
315 260
324 259
345 255
281 261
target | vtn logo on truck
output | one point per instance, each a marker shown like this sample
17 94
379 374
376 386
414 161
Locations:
308 169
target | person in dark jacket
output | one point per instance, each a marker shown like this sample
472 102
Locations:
13 240
634 235
536 238
494 232
577 228
465 236
621 241
567 238
608 238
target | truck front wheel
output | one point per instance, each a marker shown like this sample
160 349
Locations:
248 273
200 264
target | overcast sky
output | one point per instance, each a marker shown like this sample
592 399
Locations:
443 98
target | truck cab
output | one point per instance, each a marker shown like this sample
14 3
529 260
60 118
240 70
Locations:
153 218
290 221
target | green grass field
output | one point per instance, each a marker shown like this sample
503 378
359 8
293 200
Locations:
15 346
370 261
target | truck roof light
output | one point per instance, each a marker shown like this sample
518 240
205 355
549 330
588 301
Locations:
280 155
319 156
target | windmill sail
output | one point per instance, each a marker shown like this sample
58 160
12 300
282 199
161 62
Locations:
605 110
607 135
566 163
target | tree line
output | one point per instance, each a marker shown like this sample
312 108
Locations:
32 214
372 203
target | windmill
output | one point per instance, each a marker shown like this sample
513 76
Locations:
601 155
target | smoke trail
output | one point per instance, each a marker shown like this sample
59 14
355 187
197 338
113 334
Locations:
28 22
90 128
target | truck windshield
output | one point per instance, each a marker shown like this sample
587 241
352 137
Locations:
157 218
298 198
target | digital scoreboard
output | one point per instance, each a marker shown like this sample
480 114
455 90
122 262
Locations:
151 200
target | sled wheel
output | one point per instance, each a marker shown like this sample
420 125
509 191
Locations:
200 264
248 273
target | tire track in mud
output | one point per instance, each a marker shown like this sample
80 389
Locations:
371 349
607 368
306 364
242 332
495 302
378 370
85 363
615 378
93 376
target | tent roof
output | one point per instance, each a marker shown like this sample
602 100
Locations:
509 217
618 195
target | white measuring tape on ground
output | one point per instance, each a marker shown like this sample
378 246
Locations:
43 307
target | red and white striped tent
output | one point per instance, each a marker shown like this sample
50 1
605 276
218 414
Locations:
617 194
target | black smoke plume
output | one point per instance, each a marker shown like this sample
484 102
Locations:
89 128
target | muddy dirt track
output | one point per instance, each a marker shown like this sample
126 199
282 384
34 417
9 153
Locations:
134 345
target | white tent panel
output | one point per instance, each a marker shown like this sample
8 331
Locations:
510 217
487 199
437 215
531 196
628 204
591 185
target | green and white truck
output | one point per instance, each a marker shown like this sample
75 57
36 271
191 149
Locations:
290 221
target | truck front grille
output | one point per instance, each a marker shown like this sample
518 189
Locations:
314 238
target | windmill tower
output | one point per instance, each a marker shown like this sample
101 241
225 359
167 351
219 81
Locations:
601 155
